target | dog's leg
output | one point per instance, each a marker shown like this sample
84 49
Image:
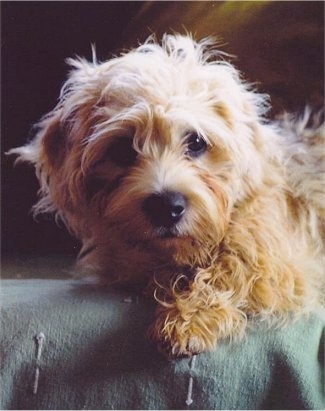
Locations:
215 303
192 321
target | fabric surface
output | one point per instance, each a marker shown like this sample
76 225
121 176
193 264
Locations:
94 356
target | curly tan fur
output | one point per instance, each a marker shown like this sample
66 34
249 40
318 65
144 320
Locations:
250 242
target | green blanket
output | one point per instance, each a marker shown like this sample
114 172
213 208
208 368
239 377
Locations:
94 356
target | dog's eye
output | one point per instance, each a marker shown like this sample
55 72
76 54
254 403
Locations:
121 152
195 145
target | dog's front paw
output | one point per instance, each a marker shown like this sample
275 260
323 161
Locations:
176 338
173 348
185 330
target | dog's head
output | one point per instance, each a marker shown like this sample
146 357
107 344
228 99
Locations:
146 155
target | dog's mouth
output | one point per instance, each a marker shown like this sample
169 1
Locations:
170 240
165 233
159 237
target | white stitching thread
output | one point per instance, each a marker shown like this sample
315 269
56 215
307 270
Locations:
36 377
39 340
39 344
189 399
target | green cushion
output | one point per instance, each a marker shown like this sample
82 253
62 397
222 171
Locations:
95 356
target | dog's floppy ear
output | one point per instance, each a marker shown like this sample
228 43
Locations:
52 140
46 153
56 149
46 148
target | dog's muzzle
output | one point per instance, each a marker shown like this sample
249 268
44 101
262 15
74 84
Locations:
165 209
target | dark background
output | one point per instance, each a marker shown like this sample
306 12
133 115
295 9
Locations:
279 45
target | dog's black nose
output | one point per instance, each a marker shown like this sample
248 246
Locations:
165 209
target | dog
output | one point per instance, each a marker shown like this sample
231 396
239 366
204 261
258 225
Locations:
162 162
